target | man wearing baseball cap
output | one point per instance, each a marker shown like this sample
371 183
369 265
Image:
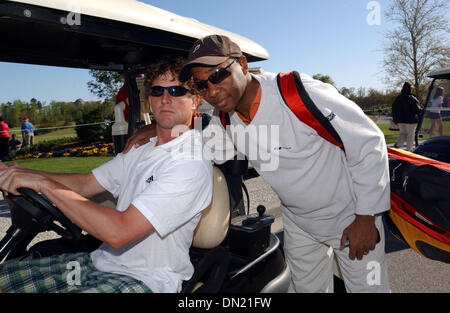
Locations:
210 51
331 200
27 132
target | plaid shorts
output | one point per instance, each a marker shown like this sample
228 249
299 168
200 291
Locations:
64 273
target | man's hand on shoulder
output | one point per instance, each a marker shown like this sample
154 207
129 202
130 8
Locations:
140 137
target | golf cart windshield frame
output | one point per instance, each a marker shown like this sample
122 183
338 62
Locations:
436 75
38 32
40 35
94 44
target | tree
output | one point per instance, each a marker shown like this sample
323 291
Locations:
324 78
348 93
95 113
419 43
105 84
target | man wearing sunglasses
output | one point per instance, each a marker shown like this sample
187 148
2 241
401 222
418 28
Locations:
161 187
331 200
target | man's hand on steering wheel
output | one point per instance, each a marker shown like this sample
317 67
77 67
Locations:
14 177
140 137
18 181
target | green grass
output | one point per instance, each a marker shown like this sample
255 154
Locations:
426 127
60 164
63 164
390 135
68 132
60 133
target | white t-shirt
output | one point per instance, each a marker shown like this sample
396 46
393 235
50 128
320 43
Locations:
170 185
436 103
320 187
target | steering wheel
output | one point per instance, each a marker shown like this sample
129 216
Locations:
66 229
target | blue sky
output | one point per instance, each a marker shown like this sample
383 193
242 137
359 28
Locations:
323 36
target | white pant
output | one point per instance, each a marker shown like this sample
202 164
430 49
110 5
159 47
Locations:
407 132
310 260
28 139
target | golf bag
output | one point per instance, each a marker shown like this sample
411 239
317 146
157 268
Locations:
420 203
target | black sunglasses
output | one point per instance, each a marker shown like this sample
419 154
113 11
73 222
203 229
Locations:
215 78
174 91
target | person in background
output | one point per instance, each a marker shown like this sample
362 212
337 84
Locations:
27 132
435 112
4 139
405 113
14 145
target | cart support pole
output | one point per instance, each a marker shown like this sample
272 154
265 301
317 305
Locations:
134 118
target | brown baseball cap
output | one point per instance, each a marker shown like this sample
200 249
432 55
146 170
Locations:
209 51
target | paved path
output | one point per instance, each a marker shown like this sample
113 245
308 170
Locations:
408 271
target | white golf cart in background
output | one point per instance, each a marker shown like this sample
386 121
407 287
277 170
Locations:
433 129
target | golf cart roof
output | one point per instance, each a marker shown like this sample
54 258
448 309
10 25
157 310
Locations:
442 73
100 34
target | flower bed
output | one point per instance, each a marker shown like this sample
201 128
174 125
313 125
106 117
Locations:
102 149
